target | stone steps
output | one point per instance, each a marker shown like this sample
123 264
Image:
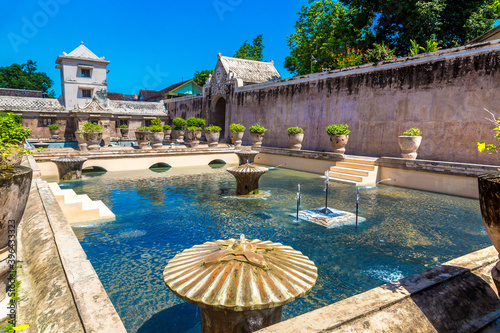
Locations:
80 208
357 170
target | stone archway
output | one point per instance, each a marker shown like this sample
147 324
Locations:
219 115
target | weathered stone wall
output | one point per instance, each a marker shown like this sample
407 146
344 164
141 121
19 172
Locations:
444 98
186 107
444 94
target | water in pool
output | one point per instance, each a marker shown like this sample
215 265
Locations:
159 214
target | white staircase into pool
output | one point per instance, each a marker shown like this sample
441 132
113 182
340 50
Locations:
80 208
361 171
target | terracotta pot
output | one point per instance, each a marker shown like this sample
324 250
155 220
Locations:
156 139
81 141
93 140
237 139
124 132
194 138
15 184
178 135
256 139
212 138
167 134
409 146
339 142
295 140
142 138
54 133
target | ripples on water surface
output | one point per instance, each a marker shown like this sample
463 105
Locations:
159 214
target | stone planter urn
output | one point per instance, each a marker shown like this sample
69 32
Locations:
167 134
237 138
54 133
124 132
409 146
93 140
295 140
142 138
194 138
212 138
15 184
178 135
339 142
156 139
489 200
256 139
82 145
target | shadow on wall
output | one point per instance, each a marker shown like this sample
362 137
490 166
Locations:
94 171
185 315
464 303
215 164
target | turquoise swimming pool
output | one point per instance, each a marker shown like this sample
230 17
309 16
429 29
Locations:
162 213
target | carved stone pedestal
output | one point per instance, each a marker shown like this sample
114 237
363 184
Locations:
70 168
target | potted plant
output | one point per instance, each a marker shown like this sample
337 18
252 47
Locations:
339 135
15 182
237 131
489 193
156 134
179 128
212 133
295 137
54 130
167 130
409 143
142 137
80 139
92 133
194 130
124 130
257 134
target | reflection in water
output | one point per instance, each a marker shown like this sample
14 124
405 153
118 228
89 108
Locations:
161 214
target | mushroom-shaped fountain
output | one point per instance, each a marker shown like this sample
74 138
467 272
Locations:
246 156
247 178
240 285
247 175
69 168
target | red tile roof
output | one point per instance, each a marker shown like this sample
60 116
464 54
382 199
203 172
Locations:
116 96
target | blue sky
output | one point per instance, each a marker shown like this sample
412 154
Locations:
151 44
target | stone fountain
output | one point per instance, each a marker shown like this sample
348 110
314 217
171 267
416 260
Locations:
240 285
70 168
246 156
247 174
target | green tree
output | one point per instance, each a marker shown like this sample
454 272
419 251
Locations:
251 51
26 76
451 22
201 77
324 32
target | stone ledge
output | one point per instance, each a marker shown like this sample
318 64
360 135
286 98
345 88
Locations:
449 168
319 155
457 296
135 153
95 309
45 299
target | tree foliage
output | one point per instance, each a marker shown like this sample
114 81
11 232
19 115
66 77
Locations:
331 33
201 77
324 31
251 51
452 22
26 76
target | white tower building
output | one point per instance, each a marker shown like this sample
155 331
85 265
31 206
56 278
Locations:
83 78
